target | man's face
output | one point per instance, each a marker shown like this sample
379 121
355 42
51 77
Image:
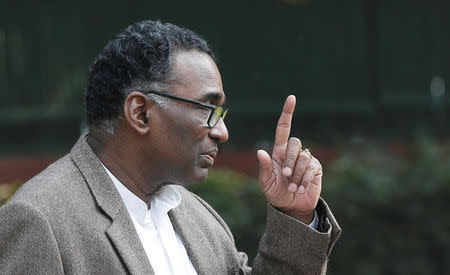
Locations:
186 146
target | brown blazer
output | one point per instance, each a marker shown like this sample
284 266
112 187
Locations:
71 219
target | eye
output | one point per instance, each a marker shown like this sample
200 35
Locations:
203 111
200 107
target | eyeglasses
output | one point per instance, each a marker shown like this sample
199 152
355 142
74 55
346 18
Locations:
217 112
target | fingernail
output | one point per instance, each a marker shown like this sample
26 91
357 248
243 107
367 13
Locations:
301 189
292 187
287 171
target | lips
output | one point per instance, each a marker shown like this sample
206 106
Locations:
212 153
209 157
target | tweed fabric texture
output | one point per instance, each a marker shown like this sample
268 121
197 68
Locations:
70 219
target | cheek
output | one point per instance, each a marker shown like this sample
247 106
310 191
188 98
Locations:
191 138
190 128
189 133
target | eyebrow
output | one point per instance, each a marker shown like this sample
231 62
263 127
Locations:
213 96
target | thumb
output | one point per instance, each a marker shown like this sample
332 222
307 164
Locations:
265 169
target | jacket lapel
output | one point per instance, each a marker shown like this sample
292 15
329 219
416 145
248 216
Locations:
128 245
121 231
189 223
199 252
208 244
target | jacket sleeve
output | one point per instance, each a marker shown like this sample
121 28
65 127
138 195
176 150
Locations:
292 247
288 246
27 243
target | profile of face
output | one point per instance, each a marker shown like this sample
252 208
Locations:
181 139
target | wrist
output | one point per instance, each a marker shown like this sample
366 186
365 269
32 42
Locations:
305 217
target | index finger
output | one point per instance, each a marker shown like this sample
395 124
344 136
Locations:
284 128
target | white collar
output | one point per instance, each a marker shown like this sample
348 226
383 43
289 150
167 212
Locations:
164 200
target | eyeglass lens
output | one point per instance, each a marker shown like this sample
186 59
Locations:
218 113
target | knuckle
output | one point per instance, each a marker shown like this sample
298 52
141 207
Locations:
283 125
317 163
305 181
302 163
295 141
289 162
305 161
291 157
305 155
297 177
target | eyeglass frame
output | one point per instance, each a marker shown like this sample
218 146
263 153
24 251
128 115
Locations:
223 111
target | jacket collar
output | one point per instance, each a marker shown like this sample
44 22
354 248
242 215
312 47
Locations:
121 231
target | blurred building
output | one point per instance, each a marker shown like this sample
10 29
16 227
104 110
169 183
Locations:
358 68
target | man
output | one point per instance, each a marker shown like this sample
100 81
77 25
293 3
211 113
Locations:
116 203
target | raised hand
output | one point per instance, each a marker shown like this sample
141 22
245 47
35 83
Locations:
292 178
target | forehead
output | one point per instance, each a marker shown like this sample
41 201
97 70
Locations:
196 76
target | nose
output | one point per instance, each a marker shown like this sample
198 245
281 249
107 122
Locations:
219 132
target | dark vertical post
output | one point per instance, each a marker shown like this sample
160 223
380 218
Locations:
8 75
371 13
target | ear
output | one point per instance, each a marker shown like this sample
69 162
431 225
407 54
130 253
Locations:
136 111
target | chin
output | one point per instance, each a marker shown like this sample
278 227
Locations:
199 175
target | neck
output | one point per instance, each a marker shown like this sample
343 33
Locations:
123 162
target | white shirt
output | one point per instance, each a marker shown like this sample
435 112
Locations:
163 246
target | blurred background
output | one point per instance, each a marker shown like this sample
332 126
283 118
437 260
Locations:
373 104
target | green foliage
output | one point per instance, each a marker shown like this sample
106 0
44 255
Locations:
7 190
393 209
240 203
